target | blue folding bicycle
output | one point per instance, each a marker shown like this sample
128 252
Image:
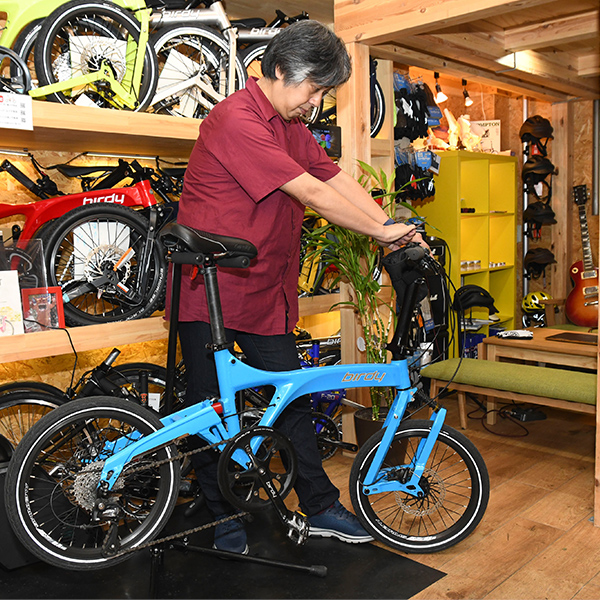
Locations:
97 479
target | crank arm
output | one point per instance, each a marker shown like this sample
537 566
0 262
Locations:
296 522
340 444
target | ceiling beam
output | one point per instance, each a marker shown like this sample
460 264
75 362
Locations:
567 29
589 65
378 21
479 52
514 83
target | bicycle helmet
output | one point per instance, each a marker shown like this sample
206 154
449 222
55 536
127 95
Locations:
534 130
536 260
472 295
539 213
532 302
536 169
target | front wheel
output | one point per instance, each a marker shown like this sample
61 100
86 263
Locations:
81 38
52 482
455 483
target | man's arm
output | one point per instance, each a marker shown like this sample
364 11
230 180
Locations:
356 211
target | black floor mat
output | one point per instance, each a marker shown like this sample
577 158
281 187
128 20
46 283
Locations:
353 571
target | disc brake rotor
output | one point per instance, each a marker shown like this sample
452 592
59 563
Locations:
435 493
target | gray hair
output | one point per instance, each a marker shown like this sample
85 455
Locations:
307 50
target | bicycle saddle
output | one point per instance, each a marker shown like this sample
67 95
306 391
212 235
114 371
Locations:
226 251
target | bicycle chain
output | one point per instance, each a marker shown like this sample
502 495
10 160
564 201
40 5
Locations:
158 463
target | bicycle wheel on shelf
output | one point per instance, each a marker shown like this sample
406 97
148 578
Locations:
455 483
192 63
252 58
327 435
78 38
25 47
82 250
21 409
51 485
14 74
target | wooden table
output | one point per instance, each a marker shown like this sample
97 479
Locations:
540 349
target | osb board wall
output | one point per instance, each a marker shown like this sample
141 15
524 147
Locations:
57 370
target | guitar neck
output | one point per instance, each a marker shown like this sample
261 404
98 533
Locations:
588 261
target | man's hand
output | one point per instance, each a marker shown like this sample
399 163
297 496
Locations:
396 235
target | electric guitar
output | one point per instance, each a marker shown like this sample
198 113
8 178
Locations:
581 306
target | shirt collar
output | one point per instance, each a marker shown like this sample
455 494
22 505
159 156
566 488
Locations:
263 103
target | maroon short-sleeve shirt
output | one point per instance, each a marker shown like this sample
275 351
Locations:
244 153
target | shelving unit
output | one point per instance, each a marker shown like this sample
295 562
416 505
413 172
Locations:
481 243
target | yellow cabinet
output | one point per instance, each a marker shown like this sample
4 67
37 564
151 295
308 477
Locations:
474 211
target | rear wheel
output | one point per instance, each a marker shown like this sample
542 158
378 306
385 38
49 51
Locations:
83 255
455 483
51 485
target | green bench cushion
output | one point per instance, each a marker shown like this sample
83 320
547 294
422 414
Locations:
545 382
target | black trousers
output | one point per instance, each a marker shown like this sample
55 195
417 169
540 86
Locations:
273 353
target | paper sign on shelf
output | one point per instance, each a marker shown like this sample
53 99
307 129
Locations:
16 111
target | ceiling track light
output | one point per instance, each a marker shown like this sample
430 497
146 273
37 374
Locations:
468 99
439 95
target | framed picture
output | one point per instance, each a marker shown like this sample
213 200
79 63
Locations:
42 308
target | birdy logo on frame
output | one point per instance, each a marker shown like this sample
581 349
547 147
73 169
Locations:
354 377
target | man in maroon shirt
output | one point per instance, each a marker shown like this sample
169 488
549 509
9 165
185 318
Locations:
253 170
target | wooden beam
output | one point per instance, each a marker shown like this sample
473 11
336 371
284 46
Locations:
562 184
518 85
479 52
589 65
566 30
379 21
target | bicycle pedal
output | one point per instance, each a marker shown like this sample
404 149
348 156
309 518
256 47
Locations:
298 528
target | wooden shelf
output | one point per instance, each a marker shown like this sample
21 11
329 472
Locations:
91 337
69 128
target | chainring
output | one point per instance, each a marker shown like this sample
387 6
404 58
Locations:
251 461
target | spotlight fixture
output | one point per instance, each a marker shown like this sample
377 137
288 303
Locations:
468 99
439 95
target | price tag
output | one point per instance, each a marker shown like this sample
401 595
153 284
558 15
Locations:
16 111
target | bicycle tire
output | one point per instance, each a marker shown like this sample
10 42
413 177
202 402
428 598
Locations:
24 46
86 241
112 26
252 58
50 487
187 51
30 386
326 113
19 79
21 409
455 482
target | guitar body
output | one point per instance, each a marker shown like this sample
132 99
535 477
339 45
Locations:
581 306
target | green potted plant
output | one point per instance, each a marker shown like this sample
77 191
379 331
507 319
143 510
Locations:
357 260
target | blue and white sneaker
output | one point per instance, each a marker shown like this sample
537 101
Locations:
339 523
231 536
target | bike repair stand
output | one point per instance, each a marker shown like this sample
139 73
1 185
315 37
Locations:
296 530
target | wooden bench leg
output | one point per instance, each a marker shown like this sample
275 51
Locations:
462 409
492 407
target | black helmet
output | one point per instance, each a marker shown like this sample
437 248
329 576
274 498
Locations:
472 295
535 128
536 260
536 169
539 213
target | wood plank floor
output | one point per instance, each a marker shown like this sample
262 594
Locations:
537 538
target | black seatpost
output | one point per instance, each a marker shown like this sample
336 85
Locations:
215 313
